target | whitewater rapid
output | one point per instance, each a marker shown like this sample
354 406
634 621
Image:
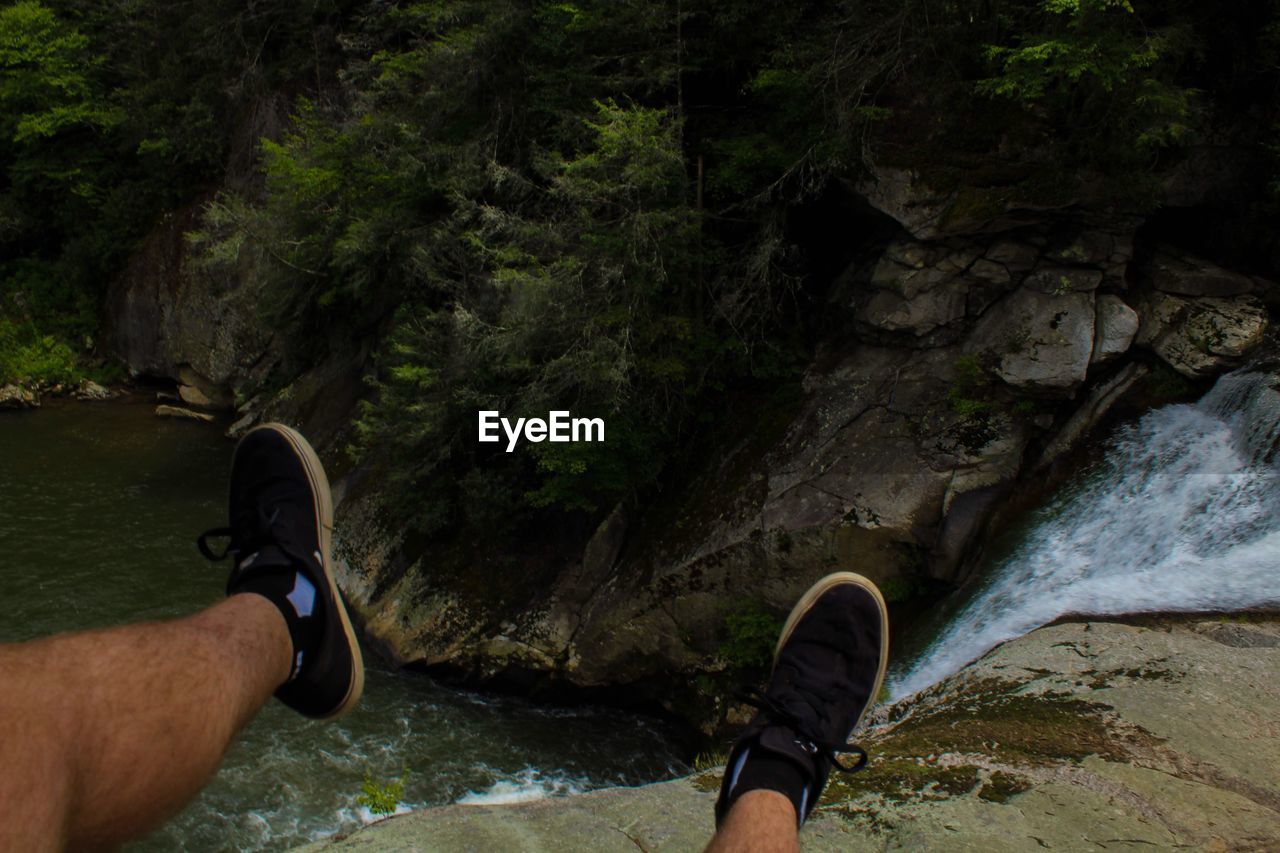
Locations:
1180 515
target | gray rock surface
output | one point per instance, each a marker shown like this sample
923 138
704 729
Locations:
919 287
168 316
90 390
17 397
1040 341
1186 275
1057 281
965 349
1080 736
165 411
1201 336
878 466
1100 400
1115 326
902 195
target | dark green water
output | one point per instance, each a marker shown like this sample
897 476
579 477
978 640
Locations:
99 507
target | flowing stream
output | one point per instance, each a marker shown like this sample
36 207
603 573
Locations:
1181 514
99 508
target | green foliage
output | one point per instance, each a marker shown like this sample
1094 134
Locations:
112 114
382 798
596 205
965 394
579 309
754 156
713 759
751 633
898 589
27 356
44 85
44 324
1100 71
1165 384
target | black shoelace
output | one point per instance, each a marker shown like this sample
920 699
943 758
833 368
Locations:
260 527
813 744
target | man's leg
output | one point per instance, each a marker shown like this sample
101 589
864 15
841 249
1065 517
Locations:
761 821
104 735
827 670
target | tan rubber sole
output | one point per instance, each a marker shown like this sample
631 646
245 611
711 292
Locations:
805 604
324 517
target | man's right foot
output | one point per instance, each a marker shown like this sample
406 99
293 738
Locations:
828 668
281 515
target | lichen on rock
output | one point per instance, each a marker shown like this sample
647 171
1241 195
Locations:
1077 735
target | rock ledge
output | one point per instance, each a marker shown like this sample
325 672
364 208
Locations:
1085 735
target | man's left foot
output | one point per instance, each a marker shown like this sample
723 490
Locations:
827 671
281 529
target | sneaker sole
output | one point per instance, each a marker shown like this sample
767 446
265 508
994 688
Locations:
805 604
324 517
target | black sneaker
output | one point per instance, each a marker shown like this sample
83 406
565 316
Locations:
828 668
281 529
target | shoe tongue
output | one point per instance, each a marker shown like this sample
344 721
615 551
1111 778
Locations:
784 741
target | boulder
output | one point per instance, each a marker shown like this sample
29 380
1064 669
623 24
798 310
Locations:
1201 336
902 195
1037 341
989 271
1013 256
1115 326
1091 248
1059 280
193 396
184 414
90 390
197 390
1186 275
17 397
914 288
892 312
242 425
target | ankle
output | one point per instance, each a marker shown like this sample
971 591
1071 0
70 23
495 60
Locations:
759 765
295 595
251 627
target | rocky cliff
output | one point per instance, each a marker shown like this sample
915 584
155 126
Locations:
1080 736
207 328
976 353
978 335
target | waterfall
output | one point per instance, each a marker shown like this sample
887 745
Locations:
1182 514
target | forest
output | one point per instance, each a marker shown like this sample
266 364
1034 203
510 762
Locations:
620 208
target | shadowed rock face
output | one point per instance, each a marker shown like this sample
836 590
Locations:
970 359
971 347
1077 736
167 317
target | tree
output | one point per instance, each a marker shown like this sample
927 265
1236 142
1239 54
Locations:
1103 74
45 84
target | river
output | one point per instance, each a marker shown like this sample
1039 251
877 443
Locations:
100 505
